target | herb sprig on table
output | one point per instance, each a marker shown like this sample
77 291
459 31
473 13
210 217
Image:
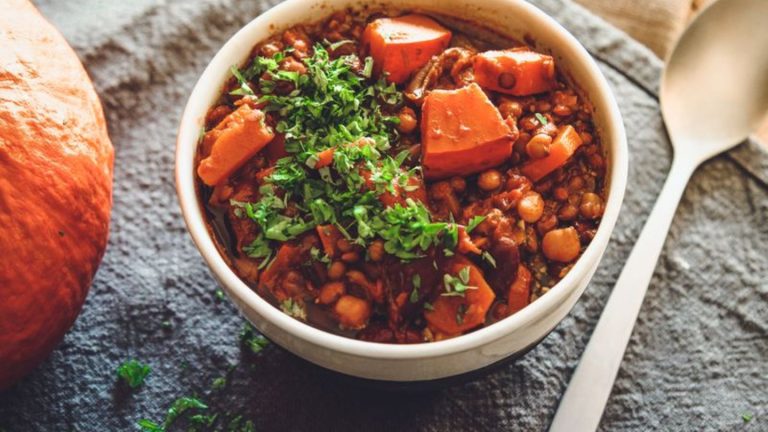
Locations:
133 373
334 106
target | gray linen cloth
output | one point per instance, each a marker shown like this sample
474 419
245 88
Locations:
697 359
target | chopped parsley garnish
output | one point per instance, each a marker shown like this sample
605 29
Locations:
220 295
254 341
474 222
428 306
133 373
487 257
179 407
457 286
294 309
542 120
414 298
219 383
747 417
334 106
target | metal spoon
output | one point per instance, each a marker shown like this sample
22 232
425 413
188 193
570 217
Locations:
714 92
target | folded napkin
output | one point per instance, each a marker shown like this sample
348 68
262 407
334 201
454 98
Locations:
696 361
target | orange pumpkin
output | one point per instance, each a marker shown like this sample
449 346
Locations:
55 187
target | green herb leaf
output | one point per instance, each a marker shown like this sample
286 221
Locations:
474 222
254 341
457 286
133 373
414 298
219 383
150 426
220 296
244 88
542 120
428 306
489 258
747 417
294 309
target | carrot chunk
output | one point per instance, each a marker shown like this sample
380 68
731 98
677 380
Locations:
562 148
462 133
519 290
516 72
240 136
453 315
404 44
325 158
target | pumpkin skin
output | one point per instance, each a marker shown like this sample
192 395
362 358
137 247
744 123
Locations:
55 187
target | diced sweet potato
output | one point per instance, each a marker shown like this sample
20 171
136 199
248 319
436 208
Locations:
518 72
454 315
240 136
401 45
563 147
462 133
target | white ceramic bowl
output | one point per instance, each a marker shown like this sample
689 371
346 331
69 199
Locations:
426 361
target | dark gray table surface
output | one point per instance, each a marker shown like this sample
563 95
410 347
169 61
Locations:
697 360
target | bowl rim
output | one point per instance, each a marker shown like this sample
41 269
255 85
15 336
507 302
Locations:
186 147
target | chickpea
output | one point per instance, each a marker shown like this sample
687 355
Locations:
561 193
568 212
458 184
538 146
489 180
290 64
293 282
350 257
530 207
331 292
297 39
591 206
408 120
529 123
522 140
344 245
270 49
596 161
576 184
352 312
440 190
562 111
336 270
561 245
376 251
510 108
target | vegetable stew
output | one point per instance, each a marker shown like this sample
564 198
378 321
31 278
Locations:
391 179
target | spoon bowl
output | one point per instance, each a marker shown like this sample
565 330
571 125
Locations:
714 92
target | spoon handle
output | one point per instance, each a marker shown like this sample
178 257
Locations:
584 400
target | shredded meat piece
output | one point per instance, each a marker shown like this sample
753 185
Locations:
456 61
